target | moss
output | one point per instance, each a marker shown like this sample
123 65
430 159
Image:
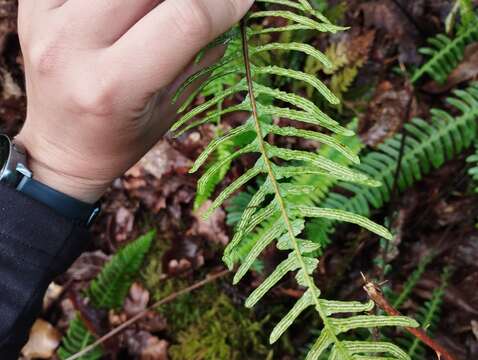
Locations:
186 309
222 332
204 324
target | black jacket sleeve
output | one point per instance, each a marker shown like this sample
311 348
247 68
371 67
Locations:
36 245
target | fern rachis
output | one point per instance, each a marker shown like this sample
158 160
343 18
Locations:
271 200
285 216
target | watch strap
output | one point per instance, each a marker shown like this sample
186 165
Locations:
78 211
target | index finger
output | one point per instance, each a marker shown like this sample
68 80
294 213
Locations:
162 43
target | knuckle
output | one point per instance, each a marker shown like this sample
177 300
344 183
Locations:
194 22
95 97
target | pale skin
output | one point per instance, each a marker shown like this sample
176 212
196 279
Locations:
99 80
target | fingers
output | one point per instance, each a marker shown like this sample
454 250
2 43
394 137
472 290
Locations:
41 5
103 22
163 42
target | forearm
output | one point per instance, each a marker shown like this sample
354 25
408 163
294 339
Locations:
36 245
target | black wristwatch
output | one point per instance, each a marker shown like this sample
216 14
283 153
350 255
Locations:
15 173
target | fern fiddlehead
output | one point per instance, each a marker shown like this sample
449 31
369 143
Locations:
271 200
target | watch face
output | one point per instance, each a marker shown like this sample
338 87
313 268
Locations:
4 152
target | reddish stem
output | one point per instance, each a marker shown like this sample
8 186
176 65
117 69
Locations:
375 293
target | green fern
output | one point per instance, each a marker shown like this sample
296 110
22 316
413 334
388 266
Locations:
428 316
412 281
212 89
223 151
427 147
76 339
107 291
272 199
320 185
467 13
445 53
473 171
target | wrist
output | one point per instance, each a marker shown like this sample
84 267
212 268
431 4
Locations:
80 188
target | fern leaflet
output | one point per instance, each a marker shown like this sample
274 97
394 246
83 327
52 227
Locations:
76 339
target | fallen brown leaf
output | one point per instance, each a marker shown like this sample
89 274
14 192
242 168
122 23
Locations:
211 228
137 300
43 341
145 346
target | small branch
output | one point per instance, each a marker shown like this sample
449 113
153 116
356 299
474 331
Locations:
394 192
374 293
137 317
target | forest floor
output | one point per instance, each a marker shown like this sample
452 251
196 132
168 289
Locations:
435 219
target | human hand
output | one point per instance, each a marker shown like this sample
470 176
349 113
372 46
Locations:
99 78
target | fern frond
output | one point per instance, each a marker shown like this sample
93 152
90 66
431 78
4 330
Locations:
428 316
279 166
107 291
473 171
412 281
427 147
77 338
445 53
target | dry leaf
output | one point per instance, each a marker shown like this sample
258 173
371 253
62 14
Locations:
52 294
145 346
137 300
212 228
43 341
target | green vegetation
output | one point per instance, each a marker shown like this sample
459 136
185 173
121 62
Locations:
107 291
272 199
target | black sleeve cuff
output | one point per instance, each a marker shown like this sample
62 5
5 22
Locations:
36 245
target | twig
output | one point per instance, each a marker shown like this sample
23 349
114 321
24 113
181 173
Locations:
374 292
137 317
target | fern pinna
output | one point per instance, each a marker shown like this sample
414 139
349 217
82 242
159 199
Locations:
280 166
428 146
107 291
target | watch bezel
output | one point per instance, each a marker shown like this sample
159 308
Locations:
16 158
4 170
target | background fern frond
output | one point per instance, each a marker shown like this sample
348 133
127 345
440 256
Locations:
412 281
445 53
76 339
428 146
428 316
107 291
473 171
